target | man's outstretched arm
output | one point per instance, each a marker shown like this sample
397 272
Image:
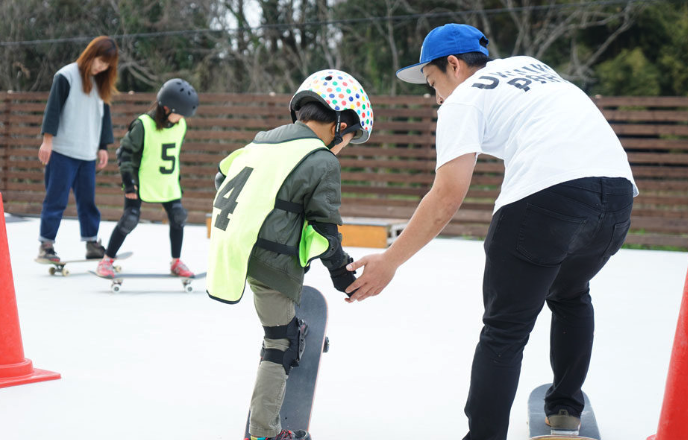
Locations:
433 213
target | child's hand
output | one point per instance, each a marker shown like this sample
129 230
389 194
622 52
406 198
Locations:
132 195
342 277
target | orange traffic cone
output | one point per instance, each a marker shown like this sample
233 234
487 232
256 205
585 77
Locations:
14 368
672 419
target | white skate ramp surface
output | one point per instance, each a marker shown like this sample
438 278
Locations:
153 362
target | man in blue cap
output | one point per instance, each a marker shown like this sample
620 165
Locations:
563 210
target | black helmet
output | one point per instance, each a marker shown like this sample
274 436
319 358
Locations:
179 96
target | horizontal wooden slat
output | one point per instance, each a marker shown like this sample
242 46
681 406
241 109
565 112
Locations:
367 151
654 144
660 224
641 101
658 158
645 115
679 241
648 130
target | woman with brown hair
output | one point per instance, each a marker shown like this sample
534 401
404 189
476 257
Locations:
77 127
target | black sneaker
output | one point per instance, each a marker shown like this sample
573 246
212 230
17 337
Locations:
94 250
563 423
286 435
46 253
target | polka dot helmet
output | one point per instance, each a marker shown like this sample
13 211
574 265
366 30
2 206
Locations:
339 91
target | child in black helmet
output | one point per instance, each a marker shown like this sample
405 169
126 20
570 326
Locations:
148 159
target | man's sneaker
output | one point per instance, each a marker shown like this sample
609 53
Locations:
46 253
563 422
286 435
179 269
105 268
94 250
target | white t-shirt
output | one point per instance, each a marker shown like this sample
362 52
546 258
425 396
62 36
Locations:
545 129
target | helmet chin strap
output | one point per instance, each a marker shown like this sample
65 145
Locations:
337 132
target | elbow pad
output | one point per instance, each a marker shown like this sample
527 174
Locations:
334 257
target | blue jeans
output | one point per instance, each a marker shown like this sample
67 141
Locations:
542 249
63 174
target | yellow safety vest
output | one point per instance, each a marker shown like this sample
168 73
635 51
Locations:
246 197
159 169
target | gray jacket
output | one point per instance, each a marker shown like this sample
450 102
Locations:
316 184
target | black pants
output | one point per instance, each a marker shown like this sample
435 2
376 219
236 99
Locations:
176 230
544 248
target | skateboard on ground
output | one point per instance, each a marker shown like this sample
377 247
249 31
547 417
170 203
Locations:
118 279
539 429
300 392
59 266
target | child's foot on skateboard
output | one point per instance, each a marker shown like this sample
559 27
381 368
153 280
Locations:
179 269
94 249
286 435
46 253
106 267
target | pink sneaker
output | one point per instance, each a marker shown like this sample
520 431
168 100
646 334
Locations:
179 269
105 267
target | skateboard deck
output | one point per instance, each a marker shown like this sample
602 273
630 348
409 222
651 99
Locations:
541 431
300 393
59 266
118 279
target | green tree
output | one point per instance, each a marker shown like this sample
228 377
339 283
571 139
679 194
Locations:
630 73
673 54
658 45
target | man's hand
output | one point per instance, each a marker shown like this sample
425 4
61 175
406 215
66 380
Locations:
377 274
433 213
102 159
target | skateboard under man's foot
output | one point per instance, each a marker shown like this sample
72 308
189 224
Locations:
539 429
118 279
300 392
59 266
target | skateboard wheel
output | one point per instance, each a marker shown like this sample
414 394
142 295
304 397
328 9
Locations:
326 346
188 288
115 288
65 272
52 271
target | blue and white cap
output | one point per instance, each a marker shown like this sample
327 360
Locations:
450 39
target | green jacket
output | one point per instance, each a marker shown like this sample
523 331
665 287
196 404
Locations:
316 184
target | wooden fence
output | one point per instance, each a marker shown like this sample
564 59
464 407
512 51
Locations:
383 178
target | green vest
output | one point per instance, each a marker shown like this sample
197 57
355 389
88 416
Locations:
159 169
248 194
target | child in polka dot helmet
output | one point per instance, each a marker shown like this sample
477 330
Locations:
339 91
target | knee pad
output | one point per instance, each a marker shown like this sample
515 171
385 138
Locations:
129 220
178 216
296 332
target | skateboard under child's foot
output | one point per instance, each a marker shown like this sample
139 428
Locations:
300 393
118 279
59 266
